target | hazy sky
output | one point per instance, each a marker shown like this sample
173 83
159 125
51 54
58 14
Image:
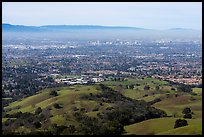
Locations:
152 15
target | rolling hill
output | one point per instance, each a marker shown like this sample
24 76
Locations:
76 106
105 108
47 28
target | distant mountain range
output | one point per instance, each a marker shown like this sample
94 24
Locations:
9 27
90 32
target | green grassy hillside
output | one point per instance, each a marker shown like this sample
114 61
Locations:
173 103
88 107
66 97
77 106
164 126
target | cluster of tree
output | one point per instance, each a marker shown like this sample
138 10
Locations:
32 121
108 95
154 101
131 86
28 120
87 126
118 79
38 110
5 102
196 86
126 110
94 126
182 122
184 88
55 129
24 84
187 113
53 93
57 106
157 88
146 87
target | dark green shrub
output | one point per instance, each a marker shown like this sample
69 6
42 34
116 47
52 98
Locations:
53 93
37 124
180 123
57 106
146 87
38 110
187 116
186 110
